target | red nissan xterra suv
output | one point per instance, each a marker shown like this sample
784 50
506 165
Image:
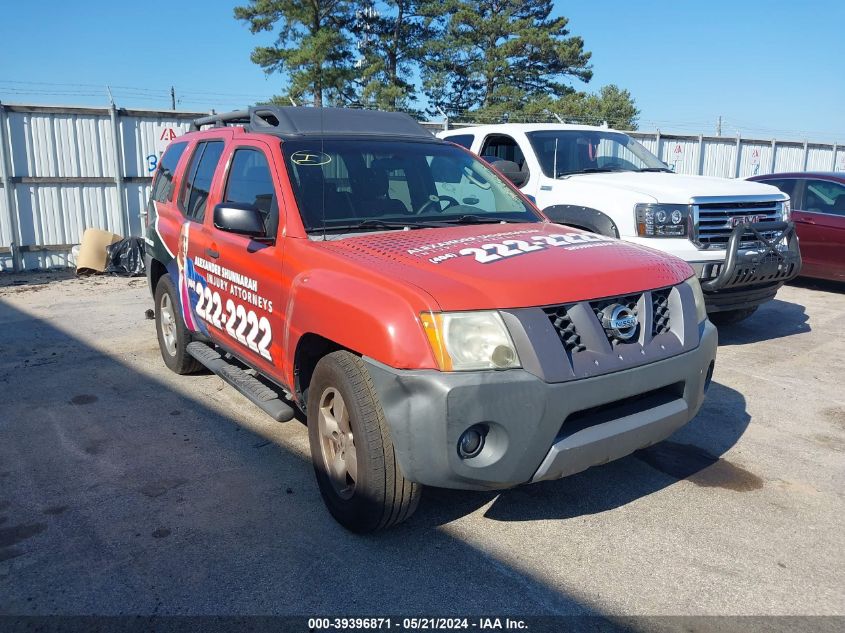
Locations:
434 328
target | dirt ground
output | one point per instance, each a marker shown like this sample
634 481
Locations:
125 489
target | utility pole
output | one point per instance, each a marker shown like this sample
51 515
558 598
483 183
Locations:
172 98
719 126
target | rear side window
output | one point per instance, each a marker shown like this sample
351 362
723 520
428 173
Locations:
163 184
464 140
786 185
200 174
250 182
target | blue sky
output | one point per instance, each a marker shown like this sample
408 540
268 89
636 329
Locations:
770 69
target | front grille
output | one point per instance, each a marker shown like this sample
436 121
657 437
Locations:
714 225
565 329
660 311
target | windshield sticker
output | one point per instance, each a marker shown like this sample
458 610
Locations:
495 251
310 159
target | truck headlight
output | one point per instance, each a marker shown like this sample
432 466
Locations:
662 220
700 308
787 210
464 341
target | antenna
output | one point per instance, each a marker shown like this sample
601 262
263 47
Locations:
323 151
292 102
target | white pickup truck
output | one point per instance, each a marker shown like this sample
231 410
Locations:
735 234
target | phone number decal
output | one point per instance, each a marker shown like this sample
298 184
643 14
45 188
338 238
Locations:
241 324
497 251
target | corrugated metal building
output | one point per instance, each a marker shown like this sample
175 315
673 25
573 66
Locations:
66 169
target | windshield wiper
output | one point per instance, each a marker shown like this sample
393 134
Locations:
656 169
479 219
366 225
588 170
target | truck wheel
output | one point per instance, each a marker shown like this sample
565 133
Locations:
729 317
173 335
357 471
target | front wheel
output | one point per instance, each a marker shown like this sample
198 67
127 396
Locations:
356 468
729 317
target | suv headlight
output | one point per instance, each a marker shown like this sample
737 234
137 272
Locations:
787 210
662 220
698 294
464 341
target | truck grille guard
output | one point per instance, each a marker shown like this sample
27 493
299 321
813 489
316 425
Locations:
774 258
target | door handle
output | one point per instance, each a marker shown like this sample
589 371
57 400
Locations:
212 252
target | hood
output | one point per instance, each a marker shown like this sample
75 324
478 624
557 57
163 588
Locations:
510 265
670 188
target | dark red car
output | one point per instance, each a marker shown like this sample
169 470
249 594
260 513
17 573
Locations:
818 210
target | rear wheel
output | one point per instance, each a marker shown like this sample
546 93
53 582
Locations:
729 317
356 468
173 335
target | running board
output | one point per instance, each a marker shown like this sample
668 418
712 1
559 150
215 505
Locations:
258 393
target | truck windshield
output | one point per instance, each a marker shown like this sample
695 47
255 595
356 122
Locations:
567 152
374 185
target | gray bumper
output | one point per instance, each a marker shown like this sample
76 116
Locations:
538 430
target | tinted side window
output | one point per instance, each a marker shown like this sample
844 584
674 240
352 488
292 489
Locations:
786 185
163 184
505 148
250 182
824 196
464 140
198 183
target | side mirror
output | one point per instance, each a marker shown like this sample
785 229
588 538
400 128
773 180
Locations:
511 171
243 219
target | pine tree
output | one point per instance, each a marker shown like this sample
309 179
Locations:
393 36
313 49
494 52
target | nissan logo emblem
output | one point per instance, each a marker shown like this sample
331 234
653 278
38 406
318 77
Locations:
619 321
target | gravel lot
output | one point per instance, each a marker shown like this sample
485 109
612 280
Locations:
125 489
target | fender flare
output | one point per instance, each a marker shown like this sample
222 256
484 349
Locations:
585 217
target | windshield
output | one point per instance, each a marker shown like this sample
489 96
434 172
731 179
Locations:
566 152
367 184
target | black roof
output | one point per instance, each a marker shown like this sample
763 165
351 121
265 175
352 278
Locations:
290 121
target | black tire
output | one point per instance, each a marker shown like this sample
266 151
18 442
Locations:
380 495
729 317
176 357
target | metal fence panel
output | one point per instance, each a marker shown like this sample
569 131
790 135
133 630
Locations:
680 153
144 139
719 158
819 158
56 145
789 157
59 214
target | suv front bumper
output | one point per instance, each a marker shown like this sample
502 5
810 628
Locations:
537 430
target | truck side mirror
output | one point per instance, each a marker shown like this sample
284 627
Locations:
243 219
511 171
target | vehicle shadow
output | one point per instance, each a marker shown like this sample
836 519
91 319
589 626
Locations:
186 500
775 319
693 453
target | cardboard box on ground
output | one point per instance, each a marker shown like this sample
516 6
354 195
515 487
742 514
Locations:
93 253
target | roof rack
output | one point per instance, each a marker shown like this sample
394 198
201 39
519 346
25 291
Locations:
219 120
293 121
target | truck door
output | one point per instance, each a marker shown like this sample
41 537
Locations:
246 298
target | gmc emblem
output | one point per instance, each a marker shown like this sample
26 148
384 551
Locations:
746 219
